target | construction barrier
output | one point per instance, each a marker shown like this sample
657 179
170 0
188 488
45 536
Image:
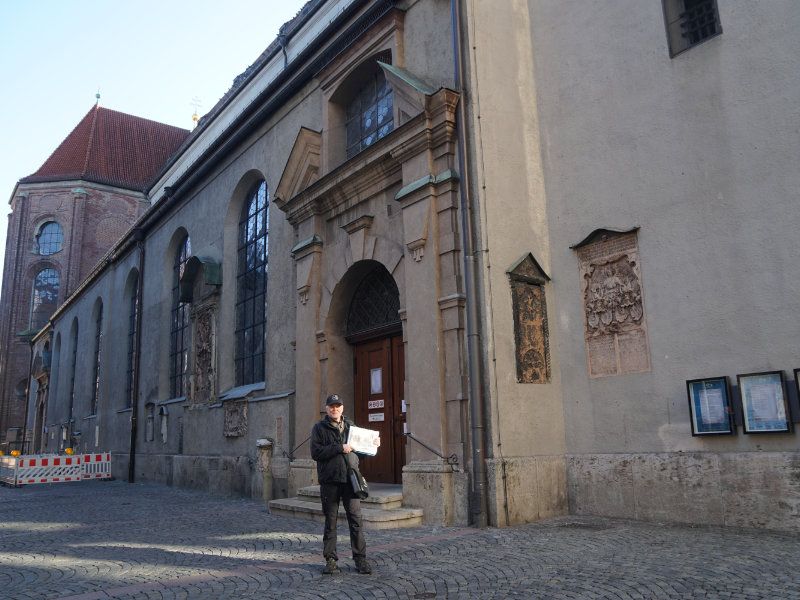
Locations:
96 466
54 468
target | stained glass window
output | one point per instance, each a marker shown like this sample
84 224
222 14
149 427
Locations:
45 297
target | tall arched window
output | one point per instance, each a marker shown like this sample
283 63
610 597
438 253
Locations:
133 309
98 338
369 115
179 328
49 239
73 367
44 298
251 286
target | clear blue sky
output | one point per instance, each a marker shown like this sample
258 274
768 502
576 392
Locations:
149 58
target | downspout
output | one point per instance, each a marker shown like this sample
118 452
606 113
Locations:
477 402
138 235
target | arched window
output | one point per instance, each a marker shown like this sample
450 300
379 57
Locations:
369 115
251 286
133 309
179 346
375 306
98 337
49 239
44 298
73 367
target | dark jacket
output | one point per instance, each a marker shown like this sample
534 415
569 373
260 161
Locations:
326 449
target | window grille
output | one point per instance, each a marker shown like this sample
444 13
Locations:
44 298
133 309
98 338
251 287
49 239
690 22
369 115
375 304
179 344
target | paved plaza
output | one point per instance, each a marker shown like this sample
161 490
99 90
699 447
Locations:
96 540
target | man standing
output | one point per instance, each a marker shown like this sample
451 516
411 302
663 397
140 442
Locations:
328 448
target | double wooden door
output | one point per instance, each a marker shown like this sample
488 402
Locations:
380 405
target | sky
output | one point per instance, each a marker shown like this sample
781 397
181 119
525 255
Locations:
149 58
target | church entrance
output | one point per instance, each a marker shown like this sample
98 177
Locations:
374 329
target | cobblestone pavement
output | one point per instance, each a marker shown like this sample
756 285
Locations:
96 540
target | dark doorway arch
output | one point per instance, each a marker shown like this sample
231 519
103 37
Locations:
375 330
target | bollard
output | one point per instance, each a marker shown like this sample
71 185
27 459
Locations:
265 466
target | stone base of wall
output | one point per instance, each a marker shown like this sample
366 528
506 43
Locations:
743 489
440 492
523 489
225 475
302 473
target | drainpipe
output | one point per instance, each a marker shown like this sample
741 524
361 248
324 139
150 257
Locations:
138 235
477 401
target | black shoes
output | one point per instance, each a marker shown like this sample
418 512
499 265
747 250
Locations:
331 568
363 566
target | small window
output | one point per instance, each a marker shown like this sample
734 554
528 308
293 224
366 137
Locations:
370 114
49 239
690 22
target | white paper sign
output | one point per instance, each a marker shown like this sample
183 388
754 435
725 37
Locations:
363 440
375 417
374 404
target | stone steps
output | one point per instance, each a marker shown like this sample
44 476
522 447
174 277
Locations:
382 510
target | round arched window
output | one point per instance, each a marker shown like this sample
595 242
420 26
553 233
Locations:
49 239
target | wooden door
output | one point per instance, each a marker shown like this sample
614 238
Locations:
379 405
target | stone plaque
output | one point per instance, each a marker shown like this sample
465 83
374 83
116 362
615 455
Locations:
235 418
203 380
530 332
614 317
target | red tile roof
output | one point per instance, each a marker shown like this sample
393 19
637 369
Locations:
112 148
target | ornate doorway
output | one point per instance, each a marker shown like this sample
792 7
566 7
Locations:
374 328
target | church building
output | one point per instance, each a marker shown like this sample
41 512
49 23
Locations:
546 249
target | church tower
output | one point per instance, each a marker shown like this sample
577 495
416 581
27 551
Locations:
64 218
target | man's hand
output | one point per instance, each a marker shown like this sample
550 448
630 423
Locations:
377 440
346 448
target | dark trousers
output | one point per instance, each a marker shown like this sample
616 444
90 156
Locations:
331 494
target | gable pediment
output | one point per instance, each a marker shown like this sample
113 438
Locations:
302 168
527 269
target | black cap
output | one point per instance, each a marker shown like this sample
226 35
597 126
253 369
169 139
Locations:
333 399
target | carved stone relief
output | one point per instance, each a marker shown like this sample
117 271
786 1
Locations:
204 373
614 318
531 331
235 418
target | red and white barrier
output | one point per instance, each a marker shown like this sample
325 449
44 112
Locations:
97 466
54 468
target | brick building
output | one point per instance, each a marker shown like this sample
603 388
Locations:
64 218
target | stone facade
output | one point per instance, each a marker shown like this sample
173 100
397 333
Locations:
573 224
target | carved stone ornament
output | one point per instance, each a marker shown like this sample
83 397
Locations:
615 328
235 418
204 376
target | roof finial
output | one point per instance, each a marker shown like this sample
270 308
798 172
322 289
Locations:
97 97
196 103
